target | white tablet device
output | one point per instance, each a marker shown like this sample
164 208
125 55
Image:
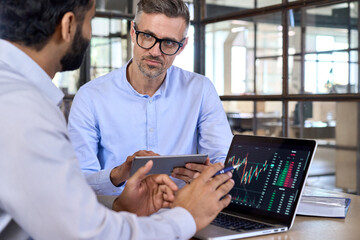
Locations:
165 164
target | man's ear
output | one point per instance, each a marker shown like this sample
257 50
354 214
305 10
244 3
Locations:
132 32
68 26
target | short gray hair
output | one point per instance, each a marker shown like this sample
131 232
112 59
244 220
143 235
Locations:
170 8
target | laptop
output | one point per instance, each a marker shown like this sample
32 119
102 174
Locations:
268 186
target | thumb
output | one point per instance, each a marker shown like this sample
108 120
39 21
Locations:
140 174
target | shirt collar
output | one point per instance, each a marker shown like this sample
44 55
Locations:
21 63
161 89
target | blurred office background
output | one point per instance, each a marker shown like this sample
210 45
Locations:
281 68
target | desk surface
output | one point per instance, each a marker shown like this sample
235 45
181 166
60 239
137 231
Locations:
318 228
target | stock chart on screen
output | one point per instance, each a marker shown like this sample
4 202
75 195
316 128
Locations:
268 177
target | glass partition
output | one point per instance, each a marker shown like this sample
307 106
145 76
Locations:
240 115
330 124
114 5
230 55
330 33
313 120
109 45
266 122
186 58
222 7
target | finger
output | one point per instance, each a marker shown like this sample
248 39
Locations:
210 171
151 153
166 204
218 180
225 188
140 174
145 153
167 193
225 201
185 172
196 167
138 153
168 199
129 160
181 177
163 179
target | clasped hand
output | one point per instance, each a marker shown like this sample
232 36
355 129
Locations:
145 195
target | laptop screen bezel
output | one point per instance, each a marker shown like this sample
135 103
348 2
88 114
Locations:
258 214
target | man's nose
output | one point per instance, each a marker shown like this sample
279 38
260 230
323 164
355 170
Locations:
155 50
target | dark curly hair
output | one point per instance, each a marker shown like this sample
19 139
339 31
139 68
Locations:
32 22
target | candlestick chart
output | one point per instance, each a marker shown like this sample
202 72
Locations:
251 170
267 178
246 175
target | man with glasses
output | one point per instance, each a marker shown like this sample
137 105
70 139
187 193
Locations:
148 104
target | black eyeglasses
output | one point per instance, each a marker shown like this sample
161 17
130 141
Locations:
147 41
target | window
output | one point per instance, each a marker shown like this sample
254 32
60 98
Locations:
289 70
109 45
186 58
216 8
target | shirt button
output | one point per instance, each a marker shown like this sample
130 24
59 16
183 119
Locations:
150 101
151 129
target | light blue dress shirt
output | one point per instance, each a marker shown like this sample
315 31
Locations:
109 120
42 187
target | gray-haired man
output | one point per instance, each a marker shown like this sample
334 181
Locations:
148 105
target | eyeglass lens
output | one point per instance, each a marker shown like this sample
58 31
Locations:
166 46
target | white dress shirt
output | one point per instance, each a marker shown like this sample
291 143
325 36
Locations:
41 185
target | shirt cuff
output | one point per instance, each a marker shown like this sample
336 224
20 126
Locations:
101 184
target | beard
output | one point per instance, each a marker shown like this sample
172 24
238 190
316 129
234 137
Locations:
148 70
74 56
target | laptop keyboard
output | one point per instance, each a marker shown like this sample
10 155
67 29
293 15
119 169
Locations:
236 224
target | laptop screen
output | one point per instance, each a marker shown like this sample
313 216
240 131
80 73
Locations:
270 177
